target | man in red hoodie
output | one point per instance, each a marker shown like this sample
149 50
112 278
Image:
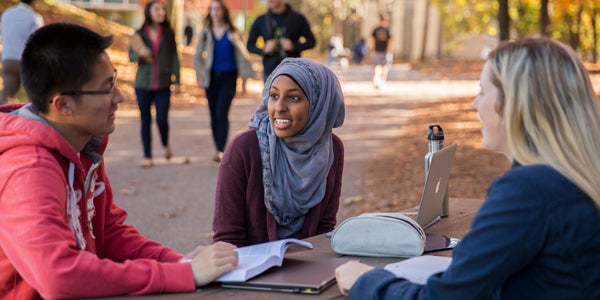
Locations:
61 234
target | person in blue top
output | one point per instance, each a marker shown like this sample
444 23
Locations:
536 234
220 57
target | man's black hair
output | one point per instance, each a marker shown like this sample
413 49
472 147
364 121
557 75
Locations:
59 57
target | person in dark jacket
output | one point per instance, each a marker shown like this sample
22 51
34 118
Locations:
154 49
281 28
188 32
536 234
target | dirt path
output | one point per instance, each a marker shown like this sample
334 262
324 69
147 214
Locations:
383 134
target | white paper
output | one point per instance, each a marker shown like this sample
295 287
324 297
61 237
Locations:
418 269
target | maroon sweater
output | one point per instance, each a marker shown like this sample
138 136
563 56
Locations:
240 215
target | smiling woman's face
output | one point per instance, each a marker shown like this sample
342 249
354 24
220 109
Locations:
288 107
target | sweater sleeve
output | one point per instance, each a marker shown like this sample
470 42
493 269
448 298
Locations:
505 236
229 218
309 41
176 67
41 247
198 57
255 32
134 56
328 218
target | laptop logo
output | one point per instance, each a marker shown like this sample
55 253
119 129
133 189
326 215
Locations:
437 186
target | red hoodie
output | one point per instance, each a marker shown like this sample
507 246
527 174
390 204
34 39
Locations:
61 235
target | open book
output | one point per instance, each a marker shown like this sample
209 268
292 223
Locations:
418 269
255 259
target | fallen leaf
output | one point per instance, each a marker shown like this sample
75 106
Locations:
129 191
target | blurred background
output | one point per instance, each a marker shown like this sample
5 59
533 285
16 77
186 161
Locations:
422 29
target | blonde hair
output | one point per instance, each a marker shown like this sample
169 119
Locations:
550 110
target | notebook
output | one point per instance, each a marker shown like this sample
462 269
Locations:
432 198
298 274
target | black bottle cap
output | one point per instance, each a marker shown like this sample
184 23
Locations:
433 135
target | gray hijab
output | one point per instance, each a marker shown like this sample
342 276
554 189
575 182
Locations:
295 169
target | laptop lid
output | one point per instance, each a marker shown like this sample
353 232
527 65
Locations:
435 186
298 274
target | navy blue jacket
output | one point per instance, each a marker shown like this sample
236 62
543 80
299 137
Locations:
290 24
536 236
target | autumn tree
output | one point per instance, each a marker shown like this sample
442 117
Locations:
544 18
503 20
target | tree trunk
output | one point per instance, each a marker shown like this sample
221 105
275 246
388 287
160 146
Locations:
594 35
503 20
544 18
575 29
425 29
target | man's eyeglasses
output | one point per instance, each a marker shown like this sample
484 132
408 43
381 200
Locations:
108 91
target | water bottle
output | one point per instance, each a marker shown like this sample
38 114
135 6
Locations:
435 142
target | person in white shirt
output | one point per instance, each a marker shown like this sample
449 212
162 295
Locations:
18 22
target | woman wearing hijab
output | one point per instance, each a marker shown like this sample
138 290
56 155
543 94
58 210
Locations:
282 177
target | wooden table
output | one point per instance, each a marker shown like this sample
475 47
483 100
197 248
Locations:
456 225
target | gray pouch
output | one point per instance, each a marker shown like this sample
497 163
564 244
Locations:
379 235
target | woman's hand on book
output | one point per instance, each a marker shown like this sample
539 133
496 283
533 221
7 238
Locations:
212 261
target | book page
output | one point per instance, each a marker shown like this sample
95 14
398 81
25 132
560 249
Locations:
418 269
255 259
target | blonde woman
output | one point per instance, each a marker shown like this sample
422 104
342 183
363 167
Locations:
536 235
220 58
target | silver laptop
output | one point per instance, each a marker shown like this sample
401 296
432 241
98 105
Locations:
435 187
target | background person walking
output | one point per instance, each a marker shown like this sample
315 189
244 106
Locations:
220 57
154 49
188 33
18 22
281 28
382 55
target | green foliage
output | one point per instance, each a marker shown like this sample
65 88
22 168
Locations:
325 18
466 16
571 21
525 16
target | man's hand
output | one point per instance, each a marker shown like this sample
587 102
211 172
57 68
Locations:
212 261
176 89
286 44
347 274
269 47
201 84
146 54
